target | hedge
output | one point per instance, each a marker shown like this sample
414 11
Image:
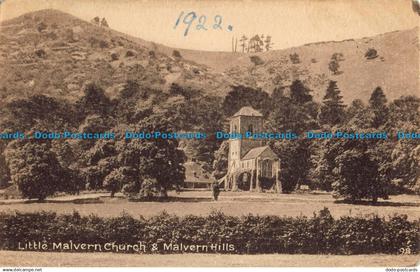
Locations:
251 234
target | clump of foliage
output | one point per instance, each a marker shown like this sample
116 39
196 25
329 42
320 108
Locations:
256 60
294 58
176 54
371 53
114 56
40 53
129 53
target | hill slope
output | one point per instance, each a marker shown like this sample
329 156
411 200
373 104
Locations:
54 53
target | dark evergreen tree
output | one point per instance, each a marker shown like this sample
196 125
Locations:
94 101
297 114
377 103
332 110
104 23
241 96
299 93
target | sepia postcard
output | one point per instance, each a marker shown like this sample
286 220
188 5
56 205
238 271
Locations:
243 133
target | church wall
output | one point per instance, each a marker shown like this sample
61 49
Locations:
252 124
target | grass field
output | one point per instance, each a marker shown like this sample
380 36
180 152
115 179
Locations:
231 203
200 203
19 258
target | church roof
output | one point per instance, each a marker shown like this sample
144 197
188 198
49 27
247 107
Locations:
256 152
247 111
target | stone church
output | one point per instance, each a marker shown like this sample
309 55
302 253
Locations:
252 165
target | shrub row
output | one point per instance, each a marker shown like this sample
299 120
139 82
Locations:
319 234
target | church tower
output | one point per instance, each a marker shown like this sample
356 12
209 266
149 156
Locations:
245 120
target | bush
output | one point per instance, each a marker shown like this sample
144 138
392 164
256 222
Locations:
103 44
256 60
40 53
294 58
176 54
129 53
41 27
114 56
371 53
319 234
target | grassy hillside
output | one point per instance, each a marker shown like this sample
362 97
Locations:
55 53
395 69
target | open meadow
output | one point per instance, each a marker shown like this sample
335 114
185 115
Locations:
230 203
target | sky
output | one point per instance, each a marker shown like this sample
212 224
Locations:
289 22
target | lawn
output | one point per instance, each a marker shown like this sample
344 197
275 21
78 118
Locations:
231 203
20 258
200 203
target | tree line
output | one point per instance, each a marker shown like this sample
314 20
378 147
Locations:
352 169
254 44
149 168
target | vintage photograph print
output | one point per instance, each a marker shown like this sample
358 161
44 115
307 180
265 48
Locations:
245 133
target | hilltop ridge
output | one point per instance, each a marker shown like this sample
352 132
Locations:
55 53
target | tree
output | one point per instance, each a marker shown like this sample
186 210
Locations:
294 163
337 56
268 43
334 66
256 60
34 169
402 111
358 177
94 101
176 54
406 164
4 170
220 163
104 23
123 178
354 169
332 110
41 27
98 159
35 112
241 96
296 113
95 20
371 53
124 165
358 115
243 41
299 93
294 58
255 44
160 159
377 103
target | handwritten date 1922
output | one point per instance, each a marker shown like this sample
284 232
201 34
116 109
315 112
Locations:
200 22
